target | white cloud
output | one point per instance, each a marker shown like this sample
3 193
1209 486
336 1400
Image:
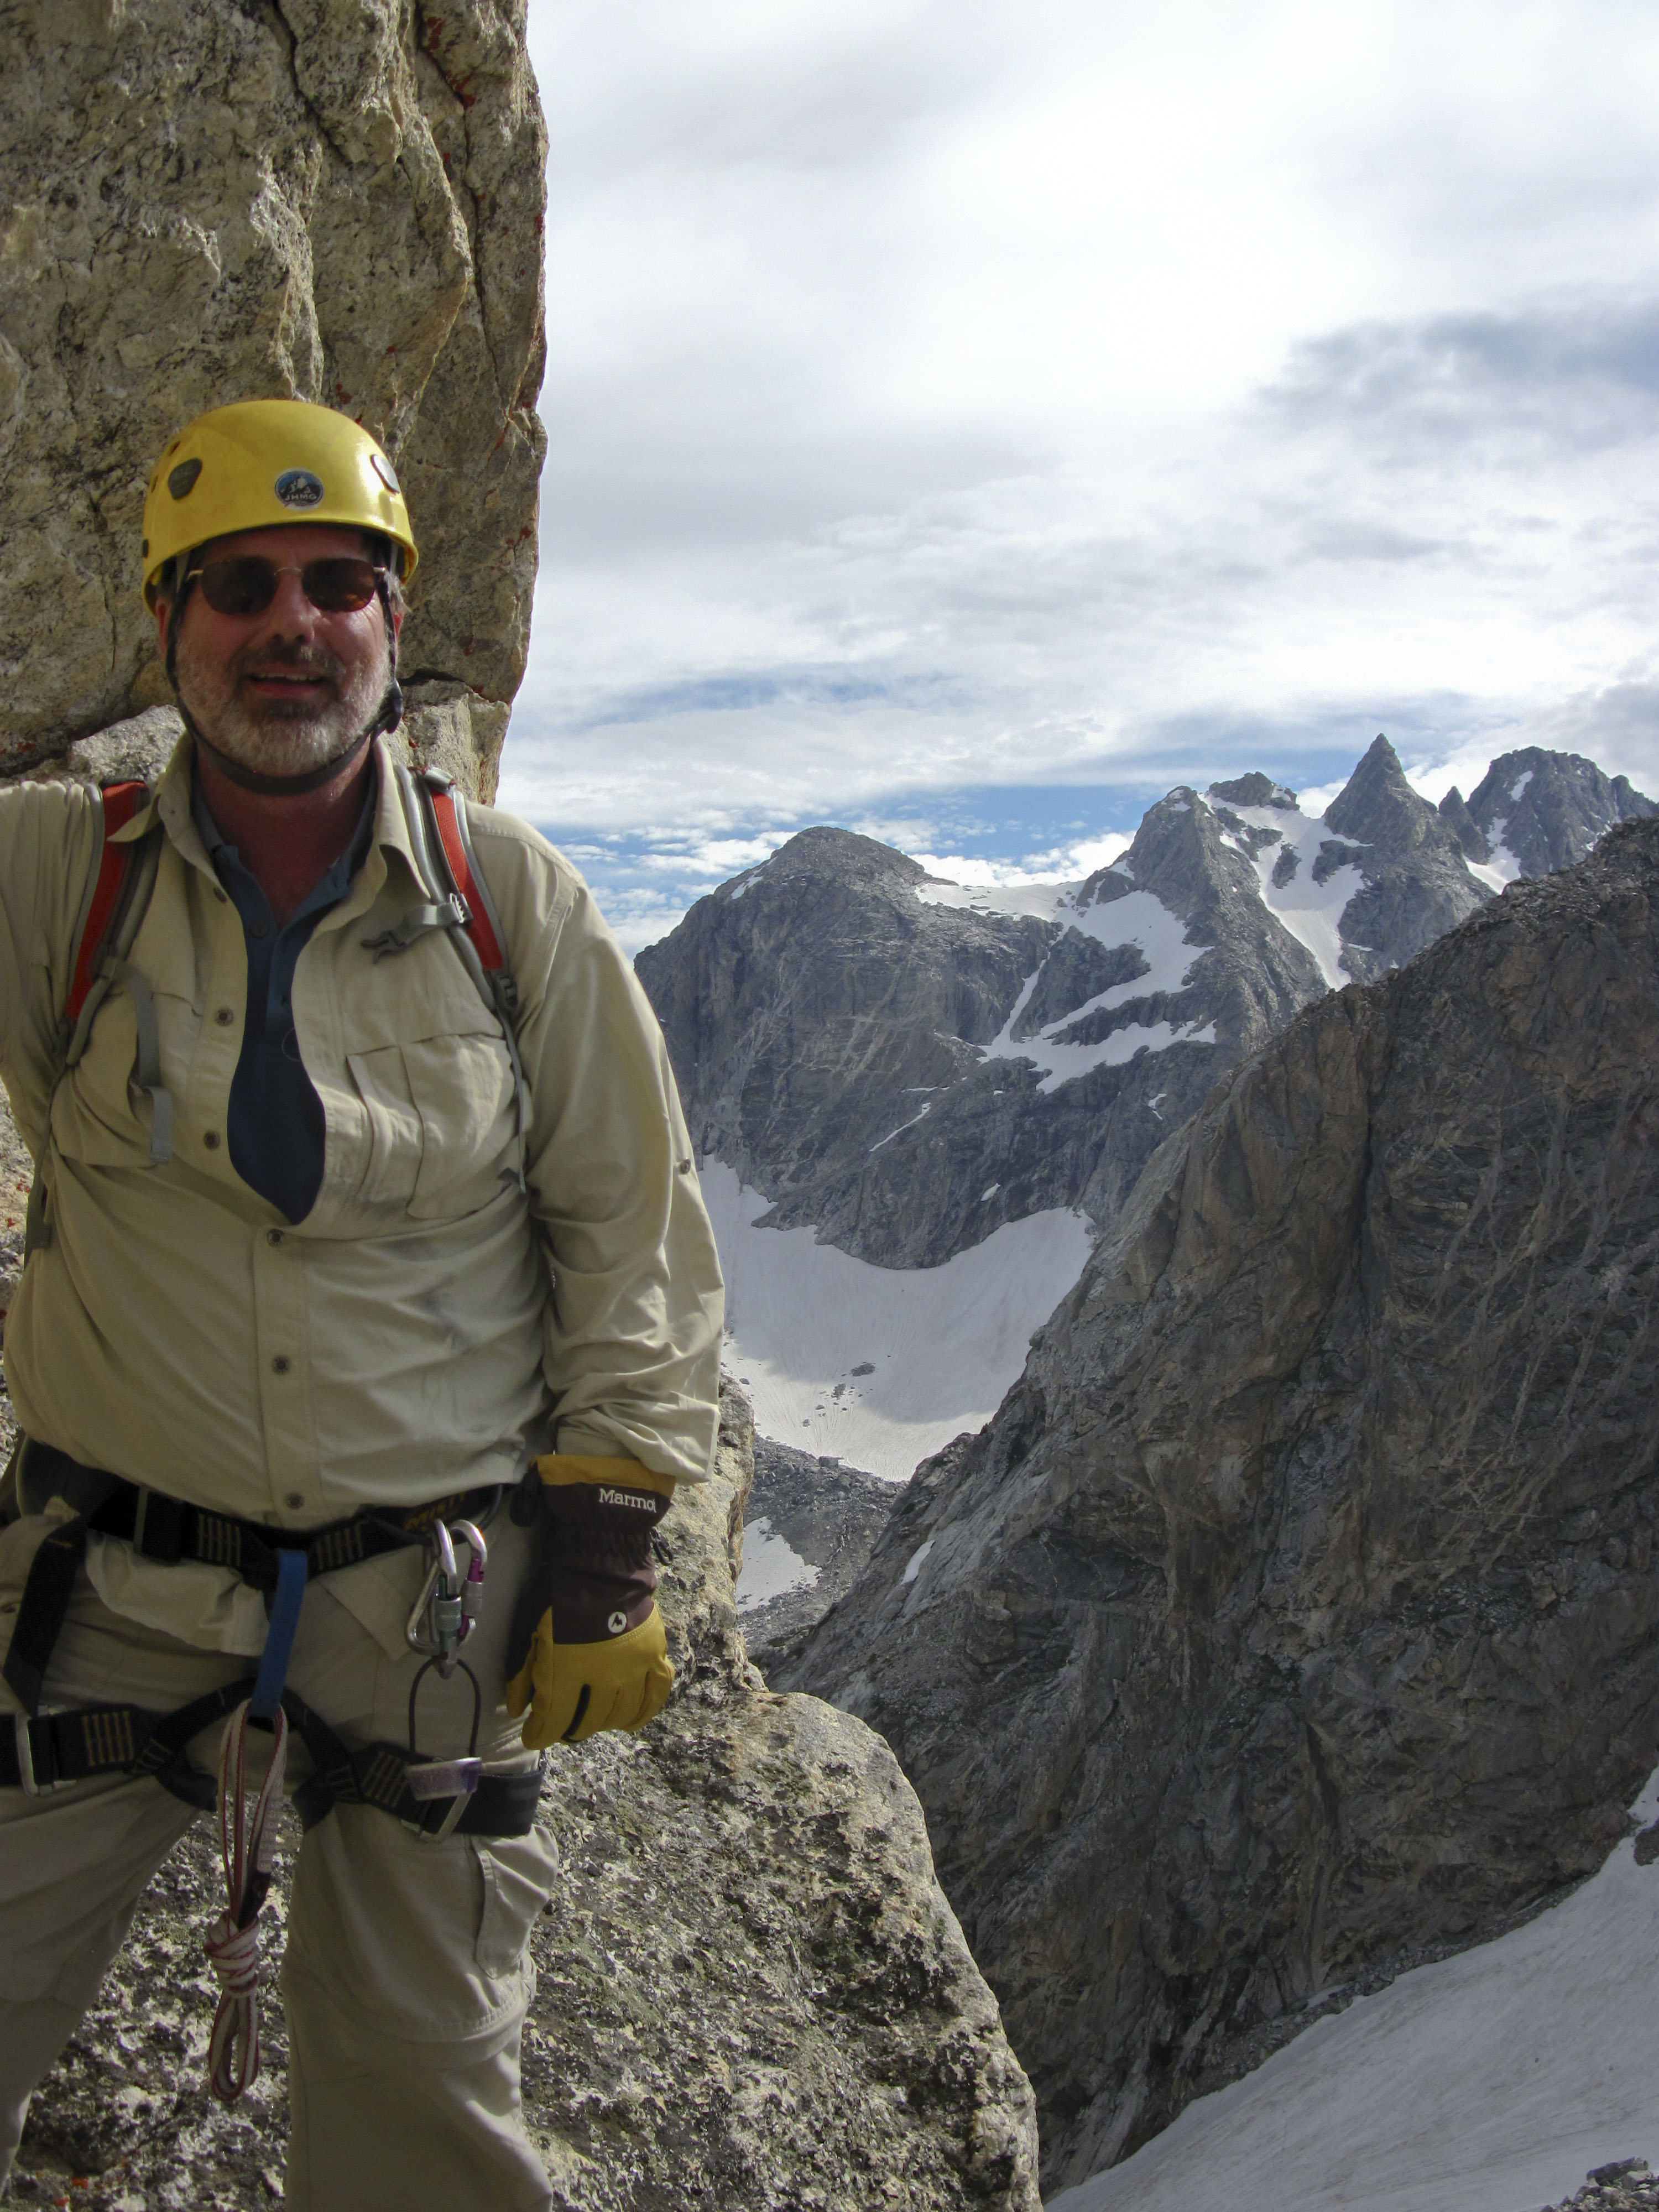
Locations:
947 398
1063 864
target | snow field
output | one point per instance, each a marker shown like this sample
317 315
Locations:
1489 2082
942 1344
1311 911
772 1567
1139 919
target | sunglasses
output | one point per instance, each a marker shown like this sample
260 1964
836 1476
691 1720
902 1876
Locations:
246 583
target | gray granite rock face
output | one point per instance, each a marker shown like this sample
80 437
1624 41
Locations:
1549 809
816 1007
1299 1608
751 1990
207 202
1417 885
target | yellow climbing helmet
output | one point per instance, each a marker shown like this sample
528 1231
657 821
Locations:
265 461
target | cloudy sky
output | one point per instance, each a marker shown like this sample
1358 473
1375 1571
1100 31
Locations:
968 421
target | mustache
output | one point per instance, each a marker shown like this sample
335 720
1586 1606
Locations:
313 659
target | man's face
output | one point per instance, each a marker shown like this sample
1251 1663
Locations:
285 690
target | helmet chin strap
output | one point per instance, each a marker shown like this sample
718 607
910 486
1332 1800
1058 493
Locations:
311 779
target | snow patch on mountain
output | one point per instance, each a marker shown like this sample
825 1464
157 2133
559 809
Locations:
1139 919
1502 867
1044 900
1063 1063
1310 910
940 1345
1492 2081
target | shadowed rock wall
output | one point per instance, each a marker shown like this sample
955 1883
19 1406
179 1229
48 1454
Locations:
336 200
1299 1608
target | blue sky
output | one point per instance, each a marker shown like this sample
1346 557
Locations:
966 422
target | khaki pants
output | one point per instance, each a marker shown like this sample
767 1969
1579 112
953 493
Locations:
406 1979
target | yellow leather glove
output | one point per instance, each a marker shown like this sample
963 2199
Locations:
575 1690
588 1650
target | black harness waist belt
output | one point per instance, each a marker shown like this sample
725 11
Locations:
168 1529
51 1750
43 1751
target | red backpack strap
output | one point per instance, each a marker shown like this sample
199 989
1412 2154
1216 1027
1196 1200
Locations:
121 803
113 908
435 815
449 824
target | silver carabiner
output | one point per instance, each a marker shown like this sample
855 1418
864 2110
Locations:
444 1615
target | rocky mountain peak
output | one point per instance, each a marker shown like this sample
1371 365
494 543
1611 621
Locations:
1455 813
908 1066
1377 807
843 856
1254 790
1536 811
1417 883
826 1003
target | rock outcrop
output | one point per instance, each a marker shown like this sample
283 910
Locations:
208 202
1299 1608
751 1991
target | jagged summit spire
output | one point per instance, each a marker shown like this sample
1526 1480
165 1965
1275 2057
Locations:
1377 806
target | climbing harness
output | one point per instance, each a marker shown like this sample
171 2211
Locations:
433 1799
49 1749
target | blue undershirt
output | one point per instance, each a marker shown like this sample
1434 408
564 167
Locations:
274 1128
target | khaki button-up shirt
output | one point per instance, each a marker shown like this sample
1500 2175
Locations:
429 1324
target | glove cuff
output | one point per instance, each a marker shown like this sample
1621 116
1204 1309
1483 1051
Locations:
558 1470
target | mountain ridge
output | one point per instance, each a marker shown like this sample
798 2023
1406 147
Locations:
905 1065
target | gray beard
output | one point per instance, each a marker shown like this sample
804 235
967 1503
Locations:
271 736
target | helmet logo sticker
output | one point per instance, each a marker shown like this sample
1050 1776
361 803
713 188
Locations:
384 470
299 487
181 481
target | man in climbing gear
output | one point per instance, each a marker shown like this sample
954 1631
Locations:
369 1317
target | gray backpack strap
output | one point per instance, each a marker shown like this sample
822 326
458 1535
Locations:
459 902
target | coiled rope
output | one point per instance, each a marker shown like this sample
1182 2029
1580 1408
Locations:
233 1942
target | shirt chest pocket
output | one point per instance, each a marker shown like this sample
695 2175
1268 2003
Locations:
442 1124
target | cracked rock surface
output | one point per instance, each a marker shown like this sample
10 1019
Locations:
752 1994
336 200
